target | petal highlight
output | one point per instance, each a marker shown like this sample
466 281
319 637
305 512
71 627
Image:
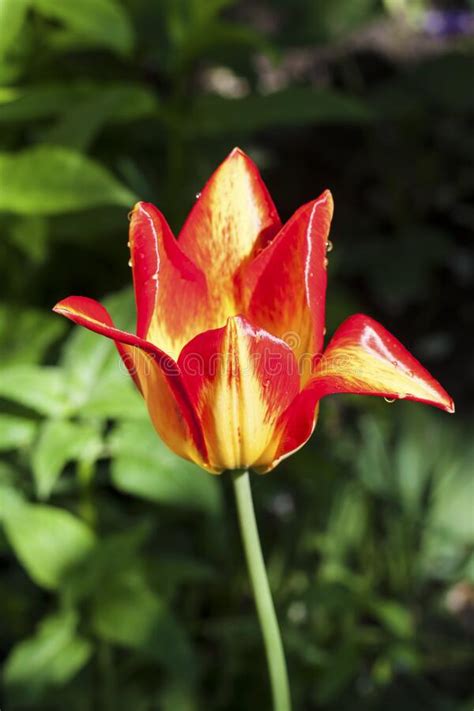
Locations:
364 358
285 286
232 219
170 291
240 380
156 375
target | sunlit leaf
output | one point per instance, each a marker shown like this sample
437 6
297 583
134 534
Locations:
47 541
25 334
61 441
16 432
12 15
40 388
98 383
98 22
51 179
143 466
395 617
51 657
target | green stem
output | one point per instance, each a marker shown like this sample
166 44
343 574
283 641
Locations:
261 590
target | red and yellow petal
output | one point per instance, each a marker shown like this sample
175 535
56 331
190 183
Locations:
240 379
171 293
364 358
232 219
156 375
284 288
293 429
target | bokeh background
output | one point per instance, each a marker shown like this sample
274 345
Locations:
123 584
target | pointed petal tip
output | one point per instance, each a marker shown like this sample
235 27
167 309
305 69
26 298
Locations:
450 407
61 307
364 358
237 154
327 198
141 207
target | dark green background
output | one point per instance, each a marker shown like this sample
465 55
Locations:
123 585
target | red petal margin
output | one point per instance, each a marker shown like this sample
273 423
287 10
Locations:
170 291
240 379
233 217
362 358
285 285
154 372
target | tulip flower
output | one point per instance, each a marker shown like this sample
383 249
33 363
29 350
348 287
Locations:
228 351
229 346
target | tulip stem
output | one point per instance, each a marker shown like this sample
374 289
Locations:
261 590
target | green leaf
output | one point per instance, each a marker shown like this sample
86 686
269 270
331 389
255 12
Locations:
452 505
127 612
80 124
176 697
25 334
99 384
395 617
373 463
143 466
29 234
16 432
115 396
40 388
51 179
219 40
51 657
12 16
28 103
97 22
113 556
123 101
347 523
296 106
47 541
61 441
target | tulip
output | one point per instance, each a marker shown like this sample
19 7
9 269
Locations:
228 352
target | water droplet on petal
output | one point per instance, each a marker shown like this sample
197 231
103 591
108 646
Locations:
198 195
128 244
130 263
329 246
389 400
155 277
395 363
325 263
325 331
130 215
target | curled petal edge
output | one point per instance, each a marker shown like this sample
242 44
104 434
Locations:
362 358
168 394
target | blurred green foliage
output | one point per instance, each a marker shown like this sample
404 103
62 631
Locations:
123 584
